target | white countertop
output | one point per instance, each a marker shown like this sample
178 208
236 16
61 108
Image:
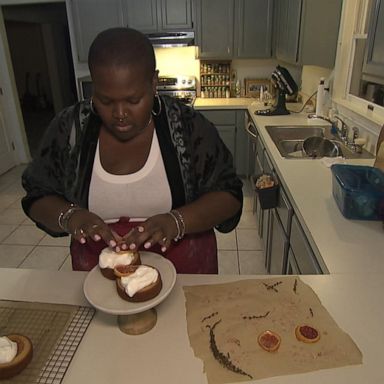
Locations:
164 356
341 245
345 246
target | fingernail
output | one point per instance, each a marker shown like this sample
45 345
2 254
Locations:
132 246
147 245
82 240
163 249
124 246
97 237
112 243
117 249
140 229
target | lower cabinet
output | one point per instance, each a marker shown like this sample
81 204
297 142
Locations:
231 127
302 251
278 245
286 247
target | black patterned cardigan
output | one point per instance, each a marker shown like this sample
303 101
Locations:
195 158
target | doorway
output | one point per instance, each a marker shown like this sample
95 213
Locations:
39 44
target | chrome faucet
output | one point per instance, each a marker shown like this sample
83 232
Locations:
342 133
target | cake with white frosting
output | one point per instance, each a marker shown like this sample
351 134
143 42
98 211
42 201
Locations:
109 259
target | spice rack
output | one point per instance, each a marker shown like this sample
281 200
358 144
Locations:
215 78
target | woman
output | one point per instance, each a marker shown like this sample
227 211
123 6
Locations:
128 153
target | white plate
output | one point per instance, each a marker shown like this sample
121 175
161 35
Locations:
102 294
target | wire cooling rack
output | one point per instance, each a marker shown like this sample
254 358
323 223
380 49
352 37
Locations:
55 331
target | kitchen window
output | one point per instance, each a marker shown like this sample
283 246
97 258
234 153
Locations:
356 88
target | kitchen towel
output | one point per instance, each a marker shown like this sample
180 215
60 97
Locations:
225 320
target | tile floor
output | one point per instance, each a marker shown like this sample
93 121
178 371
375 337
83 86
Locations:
22 245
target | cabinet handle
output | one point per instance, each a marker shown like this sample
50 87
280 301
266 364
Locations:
253 134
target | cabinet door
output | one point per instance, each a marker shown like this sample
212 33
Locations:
141 15
176 15
288 29
375 58
305 258
91 17
278 246
292 267
253 28
215 28
228 135
242 143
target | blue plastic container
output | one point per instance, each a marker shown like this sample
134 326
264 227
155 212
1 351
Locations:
358 191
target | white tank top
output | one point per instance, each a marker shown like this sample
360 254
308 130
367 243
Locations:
138 195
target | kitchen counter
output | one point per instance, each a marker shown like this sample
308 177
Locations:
230 103
340 245
164 355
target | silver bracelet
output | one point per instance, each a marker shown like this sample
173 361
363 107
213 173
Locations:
180 224
65 216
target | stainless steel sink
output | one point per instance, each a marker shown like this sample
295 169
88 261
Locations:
289 140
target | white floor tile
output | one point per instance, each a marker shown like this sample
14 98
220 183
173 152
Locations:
12 216
247 220
67 265
6 230
55 241
248 240
228 263
252 263
6 201
11 256
25 234
248 203
226 241
51 258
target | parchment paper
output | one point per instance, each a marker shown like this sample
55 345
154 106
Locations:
226 320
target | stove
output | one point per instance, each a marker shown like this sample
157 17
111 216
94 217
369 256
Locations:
179 86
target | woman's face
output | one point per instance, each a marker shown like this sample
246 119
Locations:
123 98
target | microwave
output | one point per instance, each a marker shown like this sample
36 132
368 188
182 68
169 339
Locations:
84 87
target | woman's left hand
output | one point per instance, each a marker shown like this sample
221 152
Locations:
158 229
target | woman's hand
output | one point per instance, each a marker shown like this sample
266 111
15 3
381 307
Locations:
84 224
158 229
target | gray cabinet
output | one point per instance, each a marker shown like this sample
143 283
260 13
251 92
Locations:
158 15
301 250
374 64
234 28
307 31
230 125
214 28
253 28
278 245
91 17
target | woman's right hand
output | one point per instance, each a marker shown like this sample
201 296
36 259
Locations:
84 225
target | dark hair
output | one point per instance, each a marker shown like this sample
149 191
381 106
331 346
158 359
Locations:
122 47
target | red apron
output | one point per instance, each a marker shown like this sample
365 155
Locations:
195 253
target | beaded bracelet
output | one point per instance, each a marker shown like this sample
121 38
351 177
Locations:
180 224
65 216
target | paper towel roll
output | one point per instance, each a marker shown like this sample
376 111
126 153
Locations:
320 98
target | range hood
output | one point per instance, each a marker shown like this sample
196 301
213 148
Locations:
171 39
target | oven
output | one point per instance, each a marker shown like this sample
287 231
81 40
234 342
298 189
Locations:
181 87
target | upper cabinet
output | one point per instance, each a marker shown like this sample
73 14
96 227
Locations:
92 16
307 31
229 29
158 15
374 64
253 28
214 24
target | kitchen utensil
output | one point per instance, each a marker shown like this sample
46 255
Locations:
358 191
315 146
